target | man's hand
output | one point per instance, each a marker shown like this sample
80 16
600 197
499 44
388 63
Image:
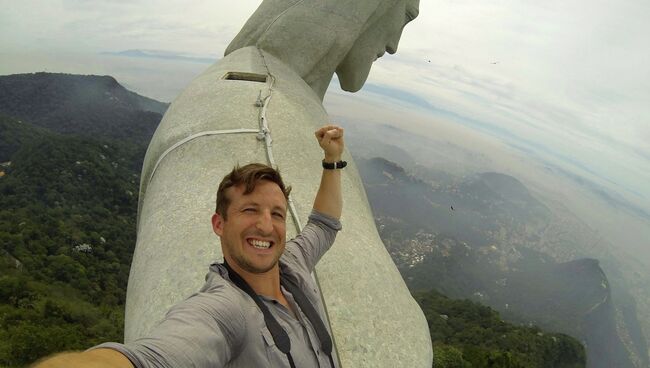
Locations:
328 198
330 139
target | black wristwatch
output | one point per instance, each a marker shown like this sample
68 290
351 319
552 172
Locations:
334 165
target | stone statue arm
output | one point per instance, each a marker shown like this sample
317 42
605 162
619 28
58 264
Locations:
98 358
329 200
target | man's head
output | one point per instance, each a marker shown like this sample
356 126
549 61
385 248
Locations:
251 216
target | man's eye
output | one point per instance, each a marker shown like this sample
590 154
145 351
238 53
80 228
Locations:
249 209
278 215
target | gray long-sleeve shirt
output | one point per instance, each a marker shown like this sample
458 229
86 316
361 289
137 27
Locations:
220 326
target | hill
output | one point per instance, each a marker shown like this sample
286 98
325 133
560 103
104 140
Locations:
467 334
92 106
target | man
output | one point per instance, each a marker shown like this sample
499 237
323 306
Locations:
221 326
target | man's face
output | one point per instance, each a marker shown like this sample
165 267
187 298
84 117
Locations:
380 37
253 236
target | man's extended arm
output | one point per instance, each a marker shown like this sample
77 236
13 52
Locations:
328 198
204 330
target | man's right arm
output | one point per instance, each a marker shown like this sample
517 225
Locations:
98 358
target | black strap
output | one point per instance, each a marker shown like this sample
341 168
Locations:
310 312
280 336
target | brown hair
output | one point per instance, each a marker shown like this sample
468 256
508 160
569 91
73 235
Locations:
248 175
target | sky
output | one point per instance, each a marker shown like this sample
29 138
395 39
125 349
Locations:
566 83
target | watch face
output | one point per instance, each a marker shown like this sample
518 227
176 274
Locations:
329 165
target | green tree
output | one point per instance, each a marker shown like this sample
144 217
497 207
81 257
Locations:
446 356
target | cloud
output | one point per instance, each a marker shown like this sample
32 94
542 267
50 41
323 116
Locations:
568 81
164 55
76 25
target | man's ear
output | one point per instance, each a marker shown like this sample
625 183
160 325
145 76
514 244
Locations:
217 224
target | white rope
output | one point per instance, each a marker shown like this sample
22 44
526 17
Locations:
265 134
194 136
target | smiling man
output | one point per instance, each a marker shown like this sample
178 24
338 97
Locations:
261 307
250 218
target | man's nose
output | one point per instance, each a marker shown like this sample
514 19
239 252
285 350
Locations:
265 223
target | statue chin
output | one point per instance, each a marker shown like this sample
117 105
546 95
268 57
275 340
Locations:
351 87
352 79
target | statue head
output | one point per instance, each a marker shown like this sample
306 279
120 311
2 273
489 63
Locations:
318 38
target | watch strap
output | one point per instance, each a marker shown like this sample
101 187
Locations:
334 165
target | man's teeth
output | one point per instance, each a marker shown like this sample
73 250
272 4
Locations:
260 244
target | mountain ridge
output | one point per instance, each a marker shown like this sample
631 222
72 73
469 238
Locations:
88 105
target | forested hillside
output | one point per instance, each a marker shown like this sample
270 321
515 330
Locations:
67 210
88 105
466 334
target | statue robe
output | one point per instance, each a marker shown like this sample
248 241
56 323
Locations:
374 319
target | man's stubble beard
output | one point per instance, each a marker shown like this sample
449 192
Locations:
247 266
239 257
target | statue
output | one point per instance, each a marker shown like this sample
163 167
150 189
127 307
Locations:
262 103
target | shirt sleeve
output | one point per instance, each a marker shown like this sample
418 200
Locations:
315 239
205 330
